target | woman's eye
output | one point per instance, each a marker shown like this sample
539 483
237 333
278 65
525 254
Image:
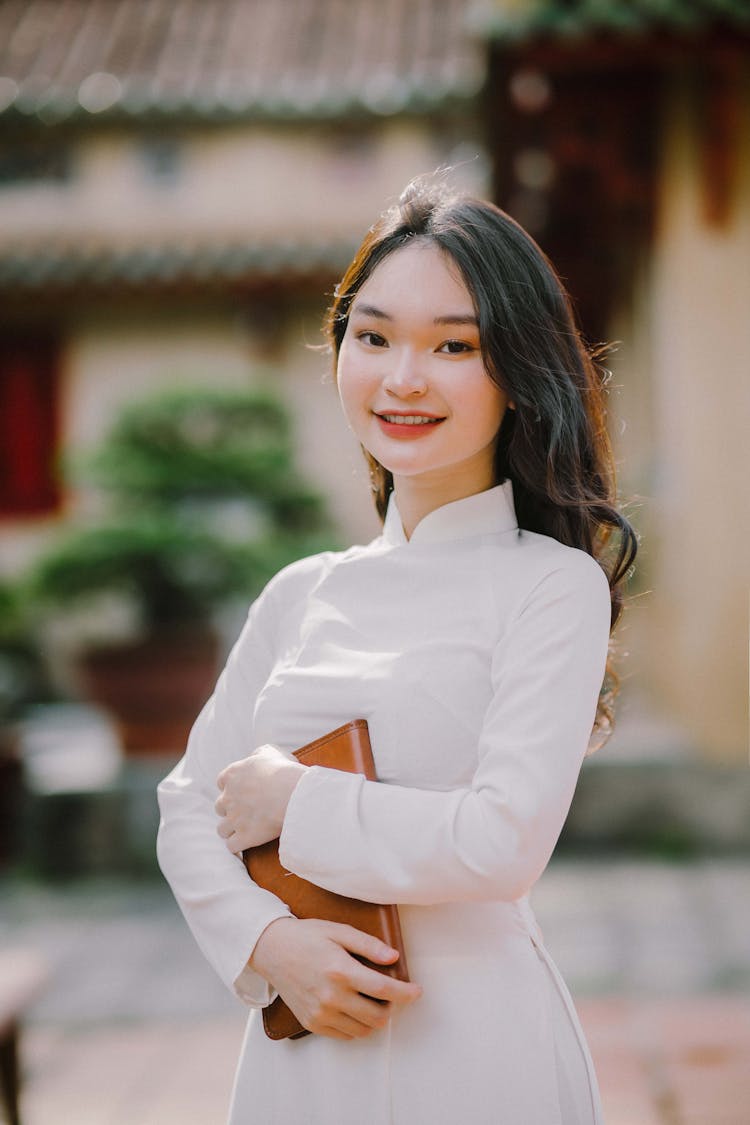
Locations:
455 347
374 339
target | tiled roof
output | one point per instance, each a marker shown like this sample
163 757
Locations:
523 20
62 267
230 59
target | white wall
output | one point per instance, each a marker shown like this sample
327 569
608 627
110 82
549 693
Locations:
243 181
326 449
111 359
696 641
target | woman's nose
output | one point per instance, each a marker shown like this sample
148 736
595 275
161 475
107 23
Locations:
405 375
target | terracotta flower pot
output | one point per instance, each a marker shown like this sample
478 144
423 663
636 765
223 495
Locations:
154 688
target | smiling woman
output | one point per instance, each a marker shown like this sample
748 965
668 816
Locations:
411 370
472 635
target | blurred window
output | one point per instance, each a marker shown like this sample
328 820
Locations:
31 160
29 407
352 152
162 159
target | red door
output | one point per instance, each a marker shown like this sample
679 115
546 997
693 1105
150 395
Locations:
29 425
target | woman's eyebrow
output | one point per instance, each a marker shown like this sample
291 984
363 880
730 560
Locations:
371 310
447 318
457 318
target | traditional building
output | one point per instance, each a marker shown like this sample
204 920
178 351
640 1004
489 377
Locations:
181 182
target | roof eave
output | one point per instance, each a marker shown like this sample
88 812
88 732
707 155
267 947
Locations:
52 110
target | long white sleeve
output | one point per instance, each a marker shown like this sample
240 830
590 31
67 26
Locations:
225 910
492 839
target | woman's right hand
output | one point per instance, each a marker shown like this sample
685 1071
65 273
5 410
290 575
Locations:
310 965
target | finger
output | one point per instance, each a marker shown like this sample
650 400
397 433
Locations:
346 1026
225 829
365 945
333 1033
378 986
372 1013
220 806
233 845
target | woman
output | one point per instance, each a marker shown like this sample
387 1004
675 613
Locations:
473 635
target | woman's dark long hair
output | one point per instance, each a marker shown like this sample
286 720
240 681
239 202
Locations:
554 445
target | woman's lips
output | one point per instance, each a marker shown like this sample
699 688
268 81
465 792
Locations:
407 427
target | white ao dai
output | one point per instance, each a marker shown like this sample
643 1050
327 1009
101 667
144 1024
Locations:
476 653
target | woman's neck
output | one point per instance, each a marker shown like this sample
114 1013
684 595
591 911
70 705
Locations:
417 496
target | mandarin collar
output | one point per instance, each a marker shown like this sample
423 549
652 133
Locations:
483 513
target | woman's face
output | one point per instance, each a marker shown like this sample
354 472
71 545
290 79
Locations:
411 376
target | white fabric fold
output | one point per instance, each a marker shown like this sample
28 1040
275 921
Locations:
492 838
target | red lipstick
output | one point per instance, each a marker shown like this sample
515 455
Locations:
406 425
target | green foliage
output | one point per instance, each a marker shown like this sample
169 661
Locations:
206 504
22 678
571 19
211 443
11 614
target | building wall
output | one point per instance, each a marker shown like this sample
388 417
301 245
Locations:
327 451
686 400
211 183
111 359
205 185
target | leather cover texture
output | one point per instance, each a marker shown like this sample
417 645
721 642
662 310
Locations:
346 748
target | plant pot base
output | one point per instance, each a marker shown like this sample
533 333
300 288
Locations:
154 688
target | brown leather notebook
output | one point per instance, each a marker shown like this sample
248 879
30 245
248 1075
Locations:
346 748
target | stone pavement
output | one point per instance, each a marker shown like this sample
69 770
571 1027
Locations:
135 1030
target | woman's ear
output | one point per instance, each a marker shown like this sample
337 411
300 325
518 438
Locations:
511 406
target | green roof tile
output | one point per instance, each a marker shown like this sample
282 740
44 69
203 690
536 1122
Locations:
566 19
34 268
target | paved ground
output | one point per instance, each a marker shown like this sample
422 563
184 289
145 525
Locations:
133 1029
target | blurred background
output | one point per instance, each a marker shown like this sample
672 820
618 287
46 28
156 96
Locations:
182 183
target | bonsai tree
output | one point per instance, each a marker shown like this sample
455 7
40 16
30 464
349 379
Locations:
204 504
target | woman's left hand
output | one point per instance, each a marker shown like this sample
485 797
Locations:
254 795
